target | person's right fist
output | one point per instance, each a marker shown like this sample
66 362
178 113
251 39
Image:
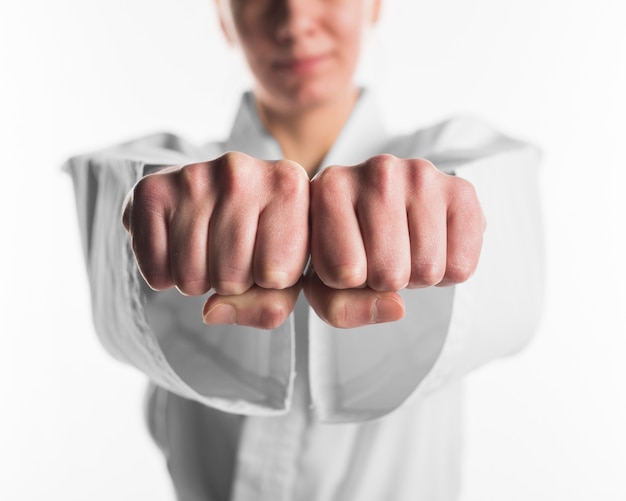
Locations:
225 224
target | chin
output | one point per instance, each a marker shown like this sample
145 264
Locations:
311 94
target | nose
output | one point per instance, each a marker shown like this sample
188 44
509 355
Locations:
293 19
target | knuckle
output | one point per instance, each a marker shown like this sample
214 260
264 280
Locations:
192 285
235 173
381 166
272 315
156 279
464 190
387 280
271 279
424 167
421 173
331 176
347 276
151 194
426 274
382 176
339 313
332 184
289 179
463 199
233 158
193 180
231 281
381 160
458 272
230 287
465 208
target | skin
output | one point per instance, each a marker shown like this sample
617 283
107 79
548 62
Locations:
240 226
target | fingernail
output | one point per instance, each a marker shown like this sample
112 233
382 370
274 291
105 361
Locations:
222 313
386 309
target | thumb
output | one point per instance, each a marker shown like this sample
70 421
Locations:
257 307
347 308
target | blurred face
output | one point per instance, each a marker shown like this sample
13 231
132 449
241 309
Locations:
302 53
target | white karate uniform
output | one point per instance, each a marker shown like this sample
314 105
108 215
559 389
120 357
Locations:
308 412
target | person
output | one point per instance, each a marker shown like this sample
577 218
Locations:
307 295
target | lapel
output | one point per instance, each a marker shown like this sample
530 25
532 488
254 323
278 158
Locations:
248 134
362 136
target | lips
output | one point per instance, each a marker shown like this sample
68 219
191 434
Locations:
301 64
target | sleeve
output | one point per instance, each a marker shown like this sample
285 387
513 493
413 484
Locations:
231 368
366 373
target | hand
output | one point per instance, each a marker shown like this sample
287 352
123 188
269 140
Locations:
384 225
234 224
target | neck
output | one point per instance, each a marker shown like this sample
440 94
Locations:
306 135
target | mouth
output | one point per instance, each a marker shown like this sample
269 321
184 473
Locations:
302 64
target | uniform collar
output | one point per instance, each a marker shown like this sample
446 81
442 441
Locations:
362 136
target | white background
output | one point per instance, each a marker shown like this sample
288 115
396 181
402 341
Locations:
76 75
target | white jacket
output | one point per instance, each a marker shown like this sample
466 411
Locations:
374 412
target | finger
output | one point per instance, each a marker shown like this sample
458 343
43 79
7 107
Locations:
337 250
188 252
381 211
426 210
146 222
427 230
232 232
257 307
281 246
465 227
349 308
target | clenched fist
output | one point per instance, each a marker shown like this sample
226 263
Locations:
384 225
240 225
225 224
392 223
